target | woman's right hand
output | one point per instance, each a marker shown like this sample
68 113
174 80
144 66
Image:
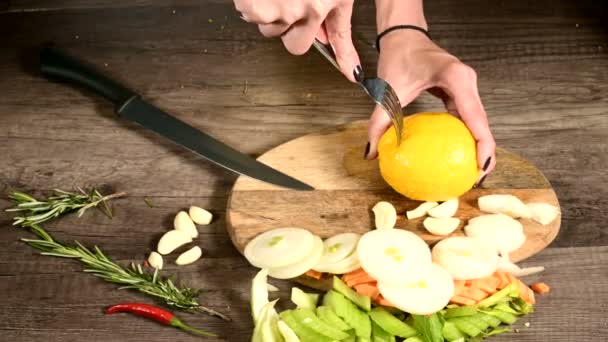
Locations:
298 22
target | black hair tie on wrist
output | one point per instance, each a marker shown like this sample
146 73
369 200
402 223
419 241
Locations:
400 27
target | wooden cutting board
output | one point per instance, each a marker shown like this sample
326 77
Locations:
347 187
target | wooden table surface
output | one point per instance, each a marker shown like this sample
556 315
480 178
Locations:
543 76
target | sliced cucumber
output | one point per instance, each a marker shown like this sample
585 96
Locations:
307 317
349 264
288 334
465 326
304 300
328 315
491 320
381 335
338 247
364 302
349 312
279 247
259 294
393 256
504 317
460 311
305 333
301 266
428 294
451 332
391 324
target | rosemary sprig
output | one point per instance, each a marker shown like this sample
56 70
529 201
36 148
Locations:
95 261
61 202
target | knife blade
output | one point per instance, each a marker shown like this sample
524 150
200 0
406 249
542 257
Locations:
56 64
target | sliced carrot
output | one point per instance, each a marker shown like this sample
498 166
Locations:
354 274
467 282
541 288
473 293
525 292
459 283
360 280
368 289
462 300
382 301
512 279
314 274
504 279
486 284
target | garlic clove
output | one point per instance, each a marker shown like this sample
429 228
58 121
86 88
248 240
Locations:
172 240
200 215
183 222
155 260
189 256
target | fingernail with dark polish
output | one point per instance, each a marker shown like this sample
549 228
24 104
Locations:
487 164
480 181
366 151
358 73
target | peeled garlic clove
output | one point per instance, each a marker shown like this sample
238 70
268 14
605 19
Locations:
441 226
543 213
183 222
200 215
189 256
155 260
172 240
386 215
421 210
504 204
445 209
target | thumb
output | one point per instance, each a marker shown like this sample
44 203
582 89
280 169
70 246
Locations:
379 122
339 35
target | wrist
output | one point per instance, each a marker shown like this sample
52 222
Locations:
399 12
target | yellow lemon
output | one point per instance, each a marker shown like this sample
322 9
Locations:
435 161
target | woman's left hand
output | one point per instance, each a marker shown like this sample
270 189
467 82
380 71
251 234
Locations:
412 63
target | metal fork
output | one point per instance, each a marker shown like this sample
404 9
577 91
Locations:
378 89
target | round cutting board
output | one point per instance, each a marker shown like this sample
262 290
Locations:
347 187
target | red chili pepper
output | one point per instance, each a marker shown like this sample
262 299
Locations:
157 314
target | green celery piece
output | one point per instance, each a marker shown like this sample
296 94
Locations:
305 333
504 317
496 332
498 296
350 339
462 339
521 306
380 335
349 312
327 315
461 311
451 332
414 339
363 339
429 327
304 300
478 323
391 324
465 326
308 318
506 308
364 302
491 320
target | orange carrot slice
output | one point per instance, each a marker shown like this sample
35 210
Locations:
368 289
504 279
462 300
382 301
360 280
487 284
473 293
314 274
541 288
354 274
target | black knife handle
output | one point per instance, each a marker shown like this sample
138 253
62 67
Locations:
55 63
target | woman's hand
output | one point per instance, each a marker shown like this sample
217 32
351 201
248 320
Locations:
412 63
298 22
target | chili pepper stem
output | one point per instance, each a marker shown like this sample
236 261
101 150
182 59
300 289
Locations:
183 326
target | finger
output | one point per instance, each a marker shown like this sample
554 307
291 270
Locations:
275 29
462 88
300 36
338 24
322 34
379 122
258 11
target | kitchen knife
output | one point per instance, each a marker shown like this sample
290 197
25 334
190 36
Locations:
129 105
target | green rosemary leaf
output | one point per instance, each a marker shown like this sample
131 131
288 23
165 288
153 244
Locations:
149 202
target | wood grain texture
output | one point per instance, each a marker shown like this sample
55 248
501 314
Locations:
347 187
543 78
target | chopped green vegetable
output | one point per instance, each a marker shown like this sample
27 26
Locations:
498 296
149 202
381 335
349 312
308 318
328 315
391 324
504 317
304 300
496 332
478 323
364 302
430 327
505 307
465 326
460 311
305 333
414 339
491 320
451 332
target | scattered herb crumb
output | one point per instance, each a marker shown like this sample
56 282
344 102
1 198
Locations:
210 20
527 324
245 85
149 202
516 331
173 11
